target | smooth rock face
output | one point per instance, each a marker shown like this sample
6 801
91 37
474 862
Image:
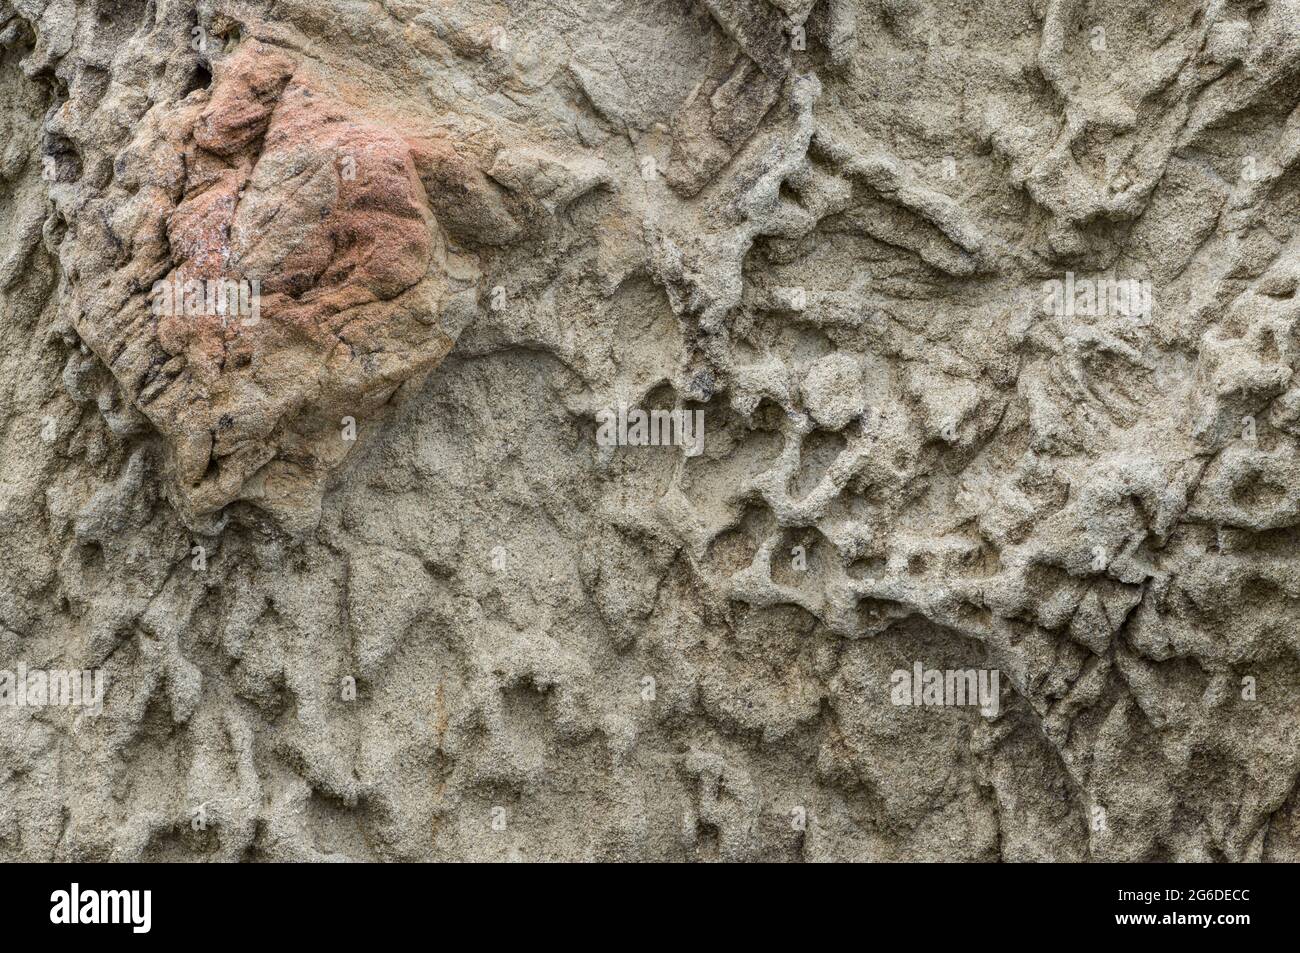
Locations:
310 316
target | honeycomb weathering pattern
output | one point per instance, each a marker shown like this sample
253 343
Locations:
990 313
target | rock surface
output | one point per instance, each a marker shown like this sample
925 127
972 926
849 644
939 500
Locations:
990 316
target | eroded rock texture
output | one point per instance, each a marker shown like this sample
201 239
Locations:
364 582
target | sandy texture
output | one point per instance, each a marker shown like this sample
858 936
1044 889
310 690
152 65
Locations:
989 313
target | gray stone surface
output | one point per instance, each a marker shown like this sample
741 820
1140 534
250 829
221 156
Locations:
842 229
